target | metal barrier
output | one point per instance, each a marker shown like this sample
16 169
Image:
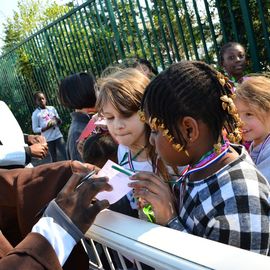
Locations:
147 244
99 33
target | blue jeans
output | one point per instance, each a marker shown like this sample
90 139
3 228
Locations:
57 149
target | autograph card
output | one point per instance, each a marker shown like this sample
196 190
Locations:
118 178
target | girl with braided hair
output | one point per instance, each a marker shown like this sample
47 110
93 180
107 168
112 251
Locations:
221 195
253 105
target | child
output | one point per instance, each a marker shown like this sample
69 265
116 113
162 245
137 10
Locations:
45 120
146 67
98 148
118 101
253 105
220 196
233 61
77 92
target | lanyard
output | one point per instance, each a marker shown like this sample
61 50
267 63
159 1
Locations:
205 161
127 159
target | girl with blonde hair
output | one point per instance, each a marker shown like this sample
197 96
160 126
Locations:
253 105
118 100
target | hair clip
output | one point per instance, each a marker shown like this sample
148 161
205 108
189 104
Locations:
217 148
167 135
228 104
161 127
153 123
178 147
221 78
141 115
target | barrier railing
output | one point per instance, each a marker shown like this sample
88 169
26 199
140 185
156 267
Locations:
147 244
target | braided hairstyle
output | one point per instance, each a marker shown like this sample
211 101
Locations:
195 89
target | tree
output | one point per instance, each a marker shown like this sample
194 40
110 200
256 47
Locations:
235 29
31 15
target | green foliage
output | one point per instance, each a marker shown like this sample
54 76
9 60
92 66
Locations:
105 32
31 14
240 33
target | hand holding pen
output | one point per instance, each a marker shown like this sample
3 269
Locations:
86 178
77 191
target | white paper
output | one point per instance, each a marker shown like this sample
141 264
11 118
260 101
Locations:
118 180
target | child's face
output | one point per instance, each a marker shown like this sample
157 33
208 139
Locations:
41 101
253 128
234 61
126 129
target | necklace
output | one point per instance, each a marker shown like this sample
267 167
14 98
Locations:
205 161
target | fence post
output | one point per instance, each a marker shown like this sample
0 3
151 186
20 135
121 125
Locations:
115 29
250 35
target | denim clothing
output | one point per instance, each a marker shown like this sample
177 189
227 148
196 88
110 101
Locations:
57 149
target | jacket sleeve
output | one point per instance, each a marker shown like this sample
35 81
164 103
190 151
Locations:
27 191
34 253
12 155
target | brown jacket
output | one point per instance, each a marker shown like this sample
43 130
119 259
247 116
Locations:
33 253
23 193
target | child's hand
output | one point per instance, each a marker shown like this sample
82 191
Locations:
155 191
51 123
57 120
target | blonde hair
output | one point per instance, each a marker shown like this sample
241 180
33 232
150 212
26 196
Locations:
123 89
255 91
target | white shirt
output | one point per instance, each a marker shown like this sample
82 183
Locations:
12 151
59 239
138 166
40 119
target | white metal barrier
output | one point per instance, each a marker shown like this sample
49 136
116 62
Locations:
162 248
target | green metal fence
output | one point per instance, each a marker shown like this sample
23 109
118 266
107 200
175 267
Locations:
102 32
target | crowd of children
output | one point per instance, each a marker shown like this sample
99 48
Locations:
182 133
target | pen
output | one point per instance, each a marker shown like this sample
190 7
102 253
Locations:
122 170
87 177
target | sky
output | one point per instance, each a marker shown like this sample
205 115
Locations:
6 10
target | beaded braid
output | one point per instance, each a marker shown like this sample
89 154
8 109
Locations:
191 88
